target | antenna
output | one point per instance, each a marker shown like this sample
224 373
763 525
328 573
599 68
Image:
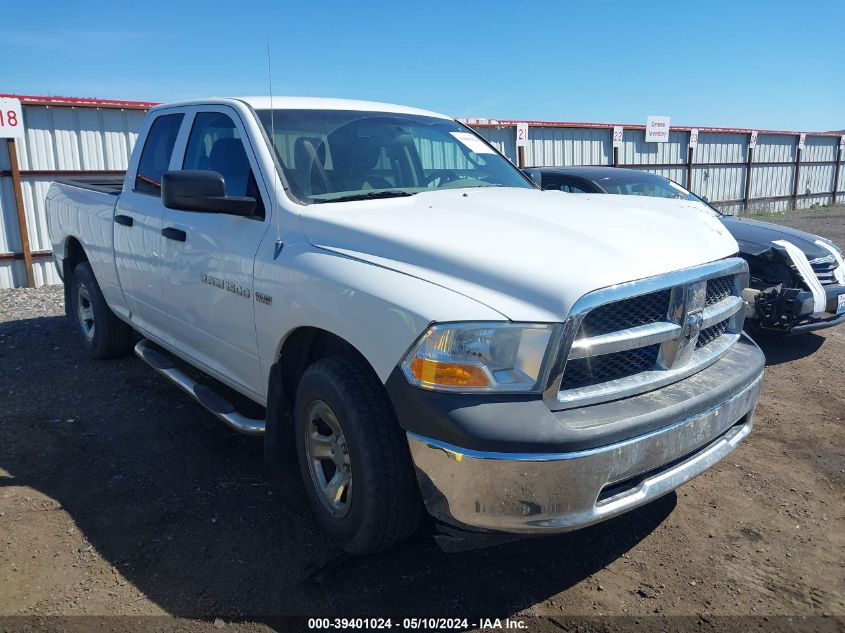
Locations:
276 219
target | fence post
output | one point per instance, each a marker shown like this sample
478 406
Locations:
836 169
796 175
748 169
24 232
690 155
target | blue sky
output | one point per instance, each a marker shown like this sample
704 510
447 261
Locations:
771 65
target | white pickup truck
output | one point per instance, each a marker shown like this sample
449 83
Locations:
415 322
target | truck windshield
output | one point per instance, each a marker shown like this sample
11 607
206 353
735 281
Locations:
341 155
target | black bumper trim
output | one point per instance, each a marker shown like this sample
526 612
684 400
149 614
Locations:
524 424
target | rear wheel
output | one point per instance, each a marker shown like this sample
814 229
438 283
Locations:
354 458
101 332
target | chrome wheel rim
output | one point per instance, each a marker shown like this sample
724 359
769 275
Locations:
85 312
328 459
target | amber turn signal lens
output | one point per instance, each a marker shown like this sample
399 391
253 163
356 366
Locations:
448 374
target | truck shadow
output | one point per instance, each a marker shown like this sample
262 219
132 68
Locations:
781 349
184 508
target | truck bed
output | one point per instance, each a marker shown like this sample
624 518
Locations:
103 184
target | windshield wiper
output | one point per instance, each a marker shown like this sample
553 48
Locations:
372 195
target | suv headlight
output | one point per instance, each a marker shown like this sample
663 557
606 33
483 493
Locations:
473 357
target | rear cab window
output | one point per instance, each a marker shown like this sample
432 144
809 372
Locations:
155 157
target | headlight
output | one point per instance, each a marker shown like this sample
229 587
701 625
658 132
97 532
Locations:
472 357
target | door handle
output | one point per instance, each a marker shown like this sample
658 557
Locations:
174 234
125 220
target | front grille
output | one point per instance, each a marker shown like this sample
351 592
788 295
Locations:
710 334
824 269
719 289
645 334
627 313
584 372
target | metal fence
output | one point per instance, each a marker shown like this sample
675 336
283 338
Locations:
68 137
783 170
64 138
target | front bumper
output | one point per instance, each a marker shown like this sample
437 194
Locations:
545 492
795 314
832 294
819 324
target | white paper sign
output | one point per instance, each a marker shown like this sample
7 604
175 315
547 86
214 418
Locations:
657 129
521 134
842 142
474 143
618 131
693 137
11 119
752 142
802 140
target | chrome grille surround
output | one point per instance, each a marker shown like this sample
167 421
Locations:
699 326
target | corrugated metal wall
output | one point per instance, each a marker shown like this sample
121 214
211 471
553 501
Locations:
63 137
550 146
11 272
635 150
58 138
719 160
502 138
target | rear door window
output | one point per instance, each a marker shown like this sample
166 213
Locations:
155 157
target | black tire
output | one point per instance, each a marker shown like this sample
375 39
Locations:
101 332
384 505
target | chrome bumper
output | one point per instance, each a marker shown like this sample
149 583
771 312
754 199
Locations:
557 492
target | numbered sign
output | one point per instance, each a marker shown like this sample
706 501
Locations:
752 142
841 143
693 138
521 134
618 131
11 119
802 140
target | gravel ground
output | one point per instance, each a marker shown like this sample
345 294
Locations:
118 495
826 221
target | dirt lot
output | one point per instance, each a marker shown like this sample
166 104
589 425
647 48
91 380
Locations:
118 495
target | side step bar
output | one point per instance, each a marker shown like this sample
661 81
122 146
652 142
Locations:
206 396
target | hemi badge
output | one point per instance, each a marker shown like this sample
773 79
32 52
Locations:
262 298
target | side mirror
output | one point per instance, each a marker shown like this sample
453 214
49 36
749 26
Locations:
202 191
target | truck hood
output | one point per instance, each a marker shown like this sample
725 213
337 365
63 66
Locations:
526 253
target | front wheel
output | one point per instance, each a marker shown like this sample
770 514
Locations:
101 332
354 458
